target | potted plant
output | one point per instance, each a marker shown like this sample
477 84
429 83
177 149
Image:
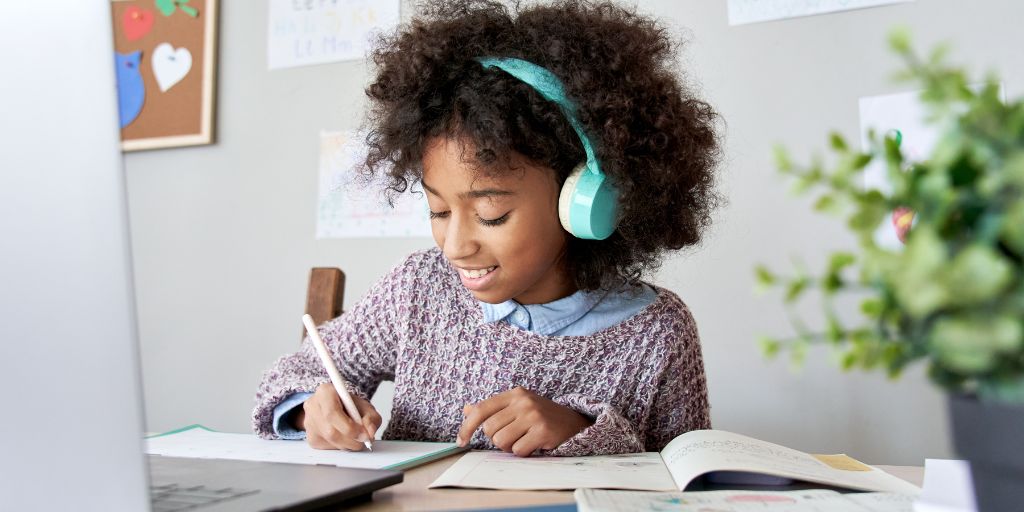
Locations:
953 295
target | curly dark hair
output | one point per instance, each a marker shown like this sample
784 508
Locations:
653 136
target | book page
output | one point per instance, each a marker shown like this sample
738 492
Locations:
700 451
883 501
206 444
498 470
818 500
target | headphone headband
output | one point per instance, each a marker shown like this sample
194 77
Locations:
549 86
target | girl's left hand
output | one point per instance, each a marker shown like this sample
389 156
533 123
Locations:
521 422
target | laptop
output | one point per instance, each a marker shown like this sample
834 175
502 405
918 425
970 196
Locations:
71 431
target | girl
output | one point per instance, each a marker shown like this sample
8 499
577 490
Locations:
528 328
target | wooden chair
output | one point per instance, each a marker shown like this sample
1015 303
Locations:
325 294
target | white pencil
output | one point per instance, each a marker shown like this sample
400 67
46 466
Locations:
339 383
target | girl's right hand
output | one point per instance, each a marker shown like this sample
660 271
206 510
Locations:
329 427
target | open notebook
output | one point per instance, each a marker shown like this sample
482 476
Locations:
684 459
197 441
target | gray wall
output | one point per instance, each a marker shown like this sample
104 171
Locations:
223 234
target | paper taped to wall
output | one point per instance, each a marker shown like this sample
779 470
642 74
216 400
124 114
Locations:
305 32
346 208
742 12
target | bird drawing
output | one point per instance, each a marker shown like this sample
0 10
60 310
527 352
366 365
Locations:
131 93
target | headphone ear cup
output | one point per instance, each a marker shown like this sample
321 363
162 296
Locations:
588 204
565 197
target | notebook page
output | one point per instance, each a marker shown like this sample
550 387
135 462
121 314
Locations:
205 444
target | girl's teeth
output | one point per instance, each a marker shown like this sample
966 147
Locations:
476 274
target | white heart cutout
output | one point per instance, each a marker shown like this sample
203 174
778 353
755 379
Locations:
170 65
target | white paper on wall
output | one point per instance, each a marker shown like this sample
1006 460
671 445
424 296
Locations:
347 208
887 114
304 32
742 12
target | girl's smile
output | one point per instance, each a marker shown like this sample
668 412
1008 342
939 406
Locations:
477 280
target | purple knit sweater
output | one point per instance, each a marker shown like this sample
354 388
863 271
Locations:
641 381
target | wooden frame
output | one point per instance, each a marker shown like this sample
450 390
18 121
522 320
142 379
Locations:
182 114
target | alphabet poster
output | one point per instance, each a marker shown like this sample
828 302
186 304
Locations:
165 52
304 32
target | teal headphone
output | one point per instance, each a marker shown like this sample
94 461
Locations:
588 203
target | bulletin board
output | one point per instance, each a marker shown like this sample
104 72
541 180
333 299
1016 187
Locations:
165 53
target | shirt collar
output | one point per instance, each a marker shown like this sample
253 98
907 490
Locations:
548 318
494 312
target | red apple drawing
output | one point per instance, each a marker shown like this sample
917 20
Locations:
136 22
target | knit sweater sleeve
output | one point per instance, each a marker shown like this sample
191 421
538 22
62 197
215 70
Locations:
362 341
680 405
610 433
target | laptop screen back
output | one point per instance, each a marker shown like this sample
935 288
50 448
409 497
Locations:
72 411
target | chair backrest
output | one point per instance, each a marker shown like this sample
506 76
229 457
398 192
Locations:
325 294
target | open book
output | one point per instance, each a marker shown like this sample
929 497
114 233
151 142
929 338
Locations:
814 500
683 460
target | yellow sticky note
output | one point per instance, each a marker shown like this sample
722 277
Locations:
842 461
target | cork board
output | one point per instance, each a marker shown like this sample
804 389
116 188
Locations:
165 53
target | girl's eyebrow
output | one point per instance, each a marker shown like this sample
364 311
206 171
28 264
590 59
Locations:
487 192
472 194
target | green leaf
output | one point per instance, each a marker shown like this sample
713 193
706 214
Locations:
862 160
916 279
831 283
894 358
166 7
872 307
782 160
871 210
191 11
1013 227
899 40
978 274
837 142
796 288
970 344
834 331
826 204
935 187
848 360
1013 169
765 278
938 54
769 346
840 260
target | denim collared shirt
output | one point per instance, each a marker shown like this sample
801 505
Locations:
580 314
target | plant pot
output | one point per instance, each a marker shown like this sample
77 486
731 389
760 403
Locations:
991 437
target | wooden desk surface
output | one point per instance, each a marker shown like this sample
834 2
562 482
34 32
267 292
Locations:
412 493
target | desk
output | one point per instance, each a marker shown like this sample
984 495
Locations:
412 493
